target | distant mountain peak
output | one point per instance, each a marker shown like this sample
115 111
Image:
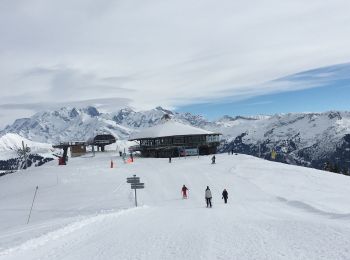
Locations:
92 111
74 112
164 110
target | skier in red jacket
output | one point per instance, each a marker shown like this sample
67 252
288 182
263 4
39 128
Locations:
184 192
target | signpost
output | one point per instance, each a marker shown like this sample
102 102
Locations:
133 180
135 185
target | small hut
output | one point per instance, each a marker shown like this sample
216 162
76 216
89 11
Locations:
77 149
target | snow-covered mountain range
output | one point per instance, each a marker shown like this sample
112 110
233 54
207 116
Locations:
72 124
309 139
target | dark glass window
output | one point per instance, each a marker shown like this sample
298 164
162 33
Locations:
178 140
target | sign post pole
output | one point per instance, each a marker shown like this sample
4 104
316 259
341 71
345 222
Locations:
135 198
30 213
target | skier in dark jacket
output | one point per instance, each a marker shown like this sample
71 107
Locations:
213 159
225 195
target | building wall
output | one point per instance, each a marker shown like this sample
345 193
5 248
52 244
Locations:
77 150
176 151
173 146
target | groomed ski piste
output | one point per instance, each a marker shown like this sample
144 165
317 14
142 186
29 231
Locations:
85 210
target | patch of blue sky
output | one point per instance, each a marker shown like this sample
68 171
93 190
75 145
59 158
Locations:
316 90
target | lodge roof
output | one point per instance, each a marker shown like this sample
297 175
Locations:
168 128
102 139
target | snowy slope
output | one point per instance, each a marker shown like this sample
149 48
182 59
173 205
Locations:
85 211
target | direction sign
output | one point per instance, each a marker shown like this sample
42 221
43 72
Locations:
137 186
133 180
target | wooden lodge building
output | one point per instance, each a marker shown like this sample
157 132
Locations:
174 139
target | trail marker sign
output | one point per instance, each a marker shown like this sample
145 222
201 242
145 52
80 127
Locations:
133 180
135 185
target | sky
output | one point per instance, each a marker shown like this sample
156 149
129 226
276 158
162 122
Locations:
328 89
175 54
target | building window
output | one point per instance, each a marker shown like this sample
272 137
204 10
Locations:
157 142
212 138
178 140
146 142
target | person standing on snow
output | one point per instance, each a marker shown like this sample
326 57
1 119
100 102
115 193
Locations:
184 191
225 195
208 196
213 159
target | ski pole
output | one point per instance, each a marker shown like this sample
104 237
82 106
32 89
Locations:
36 189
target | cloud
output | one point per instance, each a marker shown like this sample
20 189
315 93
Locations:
336 75
167 53
109 104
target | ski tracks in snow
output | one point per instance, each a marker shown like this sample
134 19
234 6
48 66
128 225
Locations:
61 233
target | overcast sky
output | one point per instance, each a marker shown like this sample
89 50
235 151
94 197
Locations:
148 53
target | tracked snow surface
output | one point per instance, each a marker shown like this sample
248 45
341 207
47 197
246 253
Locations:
84 210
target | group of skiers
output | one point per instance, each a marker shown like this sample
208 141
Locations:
207 194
